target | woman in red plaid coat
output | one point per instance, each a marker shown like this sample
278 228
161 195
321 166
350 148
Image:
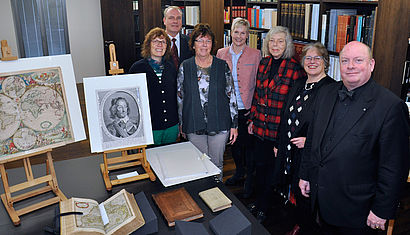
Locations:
276 75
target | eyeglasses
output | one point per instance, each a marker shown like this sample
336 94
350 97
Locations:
159 42
313 58
203 42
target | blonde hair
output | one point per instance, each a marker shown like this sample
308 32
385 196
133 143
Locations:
240 21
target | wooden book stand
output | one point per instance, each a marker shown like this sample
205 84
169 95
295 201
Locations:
6 51
50 179
125 160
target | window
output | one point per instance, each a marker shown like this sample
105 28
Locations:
41 27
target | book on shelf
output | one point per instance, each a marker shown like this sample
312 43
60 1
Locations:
215 199
192 15
262 18
333 23
238 11
345 25
315 22
117 215
177 204
227 15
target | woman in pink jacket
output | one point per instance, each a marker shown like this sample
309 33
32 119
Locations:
243 62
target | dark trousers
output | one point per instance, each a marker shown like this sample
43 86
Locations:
264 161
304 216
242 149
328 229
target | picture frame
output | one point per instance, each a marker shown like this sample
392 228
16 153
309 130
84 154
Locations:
118 112
39 106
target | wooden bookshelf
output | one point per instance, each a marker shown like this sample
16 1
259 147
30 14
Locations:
390 37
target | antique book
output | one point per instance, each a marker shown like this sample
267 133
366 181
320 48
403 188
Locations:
215 199
177 204
119 214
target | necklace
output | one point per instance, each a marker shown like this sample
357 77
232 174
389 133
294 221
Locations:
309 86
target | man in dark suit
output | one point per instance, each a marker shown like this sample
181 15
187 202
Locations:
357 150
179 42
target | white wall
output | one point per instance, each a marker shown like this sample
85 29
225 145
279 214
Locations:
86 40
7 31
84 30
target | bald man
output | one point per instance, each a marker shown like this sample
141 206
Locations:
357 150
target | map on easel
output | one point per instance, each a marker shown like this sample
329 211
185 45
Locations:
33 112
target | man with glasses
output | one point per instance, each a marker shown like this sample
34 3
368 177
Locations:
356 156
179 42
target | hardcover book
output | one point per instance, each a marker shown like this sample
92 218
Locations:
177 204
215 199
119 214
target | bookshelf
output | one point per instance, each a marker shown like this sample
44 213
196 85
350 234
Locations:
210 11
388 40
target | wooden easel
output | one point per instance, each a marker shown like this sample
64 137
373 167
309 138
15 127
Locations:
50 179
114 66
6 51
125 160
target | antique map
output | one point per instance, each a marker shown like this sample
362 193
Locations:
118 212
33 112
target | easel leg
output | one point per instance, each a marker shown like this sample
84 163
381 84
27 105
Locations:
6 197
53 183
104 172
6 185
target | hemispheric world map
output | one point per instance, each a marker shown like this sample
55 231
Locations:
33 112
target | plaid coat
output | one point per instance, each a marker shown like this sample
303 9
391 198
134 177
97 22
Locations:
270 95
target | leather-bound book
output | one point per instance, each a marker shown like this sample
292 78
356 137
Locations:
177 204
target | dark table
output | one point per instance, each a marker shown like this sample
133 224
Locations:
82 178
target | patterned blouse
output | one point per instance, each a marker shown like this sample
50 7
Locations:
203 84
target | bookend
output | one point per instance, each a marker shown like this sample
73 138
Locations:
50 179
238 223
151 220
127 159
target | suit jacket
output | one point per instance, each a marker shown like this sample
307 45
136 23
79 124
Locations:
246 69
367 163
185 52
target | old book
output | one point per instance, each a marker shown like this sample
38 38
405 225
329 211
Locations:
177 204
215 199
119 214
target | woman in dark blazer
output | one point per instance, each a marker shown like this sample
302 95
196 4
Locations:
292 132
162 87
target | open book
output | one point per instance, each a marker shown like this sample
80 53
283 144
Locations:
117 215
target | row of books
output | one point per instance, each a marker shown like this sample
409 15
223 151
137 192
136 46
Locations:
302 19
190 15
334 67
340 26
235 11
262 18
256 38
262 0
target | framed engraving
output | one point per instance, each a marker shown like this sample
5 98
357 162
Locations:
118 112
